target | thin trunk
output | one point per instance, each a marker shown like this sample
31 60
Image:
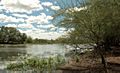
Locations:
76 53
103 61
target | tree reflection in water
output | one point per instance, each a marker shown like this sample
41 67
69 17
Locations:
11 52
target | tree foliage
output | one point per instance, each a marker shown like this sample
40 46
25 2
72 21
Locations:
96 21
10 35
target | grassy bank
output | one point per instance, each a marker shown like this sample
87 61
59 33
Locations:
36 64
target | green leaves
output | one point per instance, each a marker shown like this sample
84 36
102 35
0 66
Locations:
42 64
99 20
10 35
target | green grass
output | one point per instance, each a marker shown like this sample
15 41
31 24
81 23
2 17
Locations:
42 64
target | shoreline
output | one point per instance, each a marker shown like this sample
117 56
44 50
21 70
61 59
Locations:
13 45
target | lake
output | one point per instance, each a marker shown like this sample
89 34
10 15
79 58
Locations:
8 51
11 52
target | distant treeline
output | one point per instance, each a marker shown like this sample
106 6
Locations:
29 40
45 41
10 35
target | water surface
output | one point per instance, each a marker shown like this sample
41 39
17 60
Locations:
9 52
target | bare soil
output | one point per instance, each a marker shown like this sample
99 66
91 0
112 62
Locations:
89 64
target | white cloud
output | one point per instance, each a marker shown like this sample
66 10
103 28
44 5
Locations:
50 5
25 7
41 19
47 4
21 5
25 26
41 34
46 26
20 15
55 7
1 8
79 9
51 26
5 18
49 17
62 29
11 25
20 26
75 9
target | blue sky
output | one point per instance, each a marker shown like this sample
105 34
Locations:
32 17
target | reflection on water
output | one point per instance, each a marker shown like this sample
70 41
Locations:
9 52
46 50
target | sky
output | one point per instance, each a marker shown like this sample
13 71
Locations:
32 17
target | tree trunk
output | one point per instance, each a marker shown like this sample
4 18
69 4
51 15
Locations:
103 61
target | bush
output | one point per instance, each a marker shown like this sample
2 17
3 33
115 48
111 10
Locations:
42 64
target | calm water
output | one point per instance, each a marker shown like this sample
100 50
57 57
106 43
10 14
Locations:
8 52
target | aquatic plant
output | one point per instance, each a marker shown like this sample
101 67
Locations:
38 64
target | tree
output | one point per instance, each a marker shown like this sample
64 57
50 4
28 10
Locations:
24 37
29 40
10 35
94 21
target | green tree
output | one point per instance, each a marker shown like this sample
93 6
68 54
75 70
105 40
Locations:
29 40
24 37
95 21
10 35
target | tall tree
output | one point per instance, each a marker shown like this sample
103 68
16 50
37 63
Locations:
94 21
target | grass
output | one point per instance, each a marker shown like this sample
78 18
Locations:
42 64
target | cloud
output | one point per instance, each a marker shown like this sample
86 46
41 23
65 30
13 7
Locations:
47 4
11 25
21 5
25 26
50 5
55 7
5 18
75 9
79 9
23 14
53 28
41 19
46 26
49 17
62 29
50 26
41 34
20 15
